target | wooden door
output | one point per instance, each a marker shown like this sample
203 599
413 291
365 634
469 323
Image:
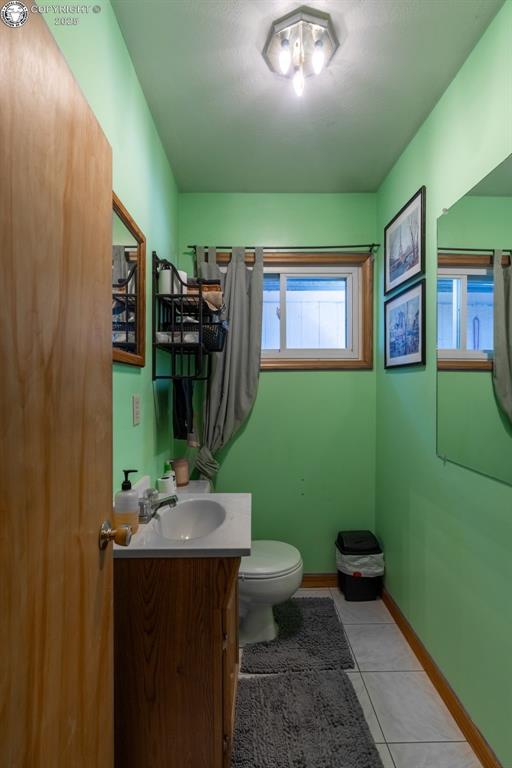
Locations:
55 413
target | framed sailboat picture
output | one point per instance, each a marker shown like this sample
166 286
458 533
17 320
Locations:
404 327
404 243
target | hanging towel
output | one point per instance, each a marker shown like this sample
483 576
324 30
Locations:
183 411
119 265
502 369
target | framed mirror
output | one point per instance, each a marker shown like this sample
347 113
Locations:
128 288
474 242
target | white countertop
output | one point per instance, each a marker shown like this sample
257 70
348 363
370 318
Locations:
231 539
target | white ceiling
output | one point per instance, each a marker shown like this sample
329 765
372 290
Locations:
229 124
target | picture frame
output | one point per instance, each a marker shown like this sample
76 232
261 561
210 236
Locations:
404 243
404 327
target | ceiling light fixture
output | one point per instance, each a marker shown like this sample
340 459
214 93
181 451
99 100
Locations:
318 58
298 81
300 44
285 56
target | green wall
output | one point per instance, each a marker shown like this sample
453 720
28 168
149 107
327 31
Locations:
307 452
142 178
477 222
447 530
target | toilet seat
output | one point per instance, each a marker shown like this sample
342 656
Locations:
270 559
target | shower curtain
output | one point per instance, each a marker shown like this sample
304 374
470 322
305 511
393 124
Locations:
232 386
502 369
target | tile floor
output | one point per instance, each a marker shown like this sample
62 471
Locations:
409 722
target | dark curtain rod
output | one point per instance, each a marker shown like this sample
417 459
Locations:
367 246
474 250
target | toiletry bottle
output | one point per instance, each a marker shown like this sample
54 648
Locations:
169 472
181 471
126 504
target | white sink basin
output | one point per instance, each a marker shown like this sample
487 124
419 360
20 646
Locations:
202 525
190 519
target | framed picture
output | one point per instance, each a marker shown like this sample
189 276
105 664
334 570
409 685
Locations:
404 243
404 327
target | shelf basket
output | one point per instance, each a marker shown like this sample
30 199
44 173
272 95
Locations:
185 326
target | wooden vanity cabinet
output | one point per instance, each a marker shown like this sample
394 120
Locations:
175 661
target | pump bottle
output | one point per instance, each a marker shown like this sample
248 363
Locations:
126 504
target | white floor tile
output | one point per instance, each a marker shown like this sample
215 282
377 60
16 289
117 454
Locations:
381 647
434 756
364 700
409 708
372 612
385 756
313 593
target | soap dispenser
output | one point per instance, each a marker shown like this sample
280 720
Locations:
126 504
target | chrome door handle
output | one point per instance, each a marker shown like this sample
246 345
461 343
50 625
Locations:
121 535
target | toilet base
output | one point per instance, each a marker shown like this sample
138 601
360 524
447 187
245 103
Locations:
258 625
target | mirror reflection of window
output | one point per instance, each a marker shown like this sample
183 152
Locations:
448 312
479 317
465 311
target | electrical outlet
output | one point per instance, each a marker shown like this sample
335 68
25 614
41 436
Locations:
136 408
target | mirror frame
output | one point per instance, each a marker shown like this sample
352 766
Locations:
120 355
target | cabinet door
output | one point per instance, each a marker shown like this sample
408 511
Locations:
169 625
230 660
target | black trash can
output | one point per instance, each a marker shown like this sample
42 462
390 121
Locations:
360 564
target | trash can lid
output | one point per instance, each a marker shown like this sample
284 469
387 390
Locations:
358 543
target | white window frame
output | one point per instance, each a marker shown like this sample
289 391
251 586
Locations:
352 275
462 273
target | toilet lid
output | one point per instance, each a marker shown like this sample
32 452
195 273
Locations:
270 558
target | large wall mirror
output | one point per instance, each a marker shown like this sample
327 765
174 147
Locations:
474 310
128 288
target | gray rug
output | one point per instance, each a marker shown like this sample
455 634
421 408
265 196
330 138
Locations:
310 637
308 720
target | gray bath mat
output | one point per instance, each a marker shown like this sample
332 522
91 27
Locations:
310 637
308 720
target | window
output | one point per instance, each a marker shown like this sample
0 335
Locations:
465 315
317 316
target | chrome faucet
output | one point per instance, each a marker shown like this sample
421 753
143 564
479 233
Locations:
150 504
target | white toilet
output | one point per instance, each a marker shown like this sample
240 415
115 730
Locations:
268 576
